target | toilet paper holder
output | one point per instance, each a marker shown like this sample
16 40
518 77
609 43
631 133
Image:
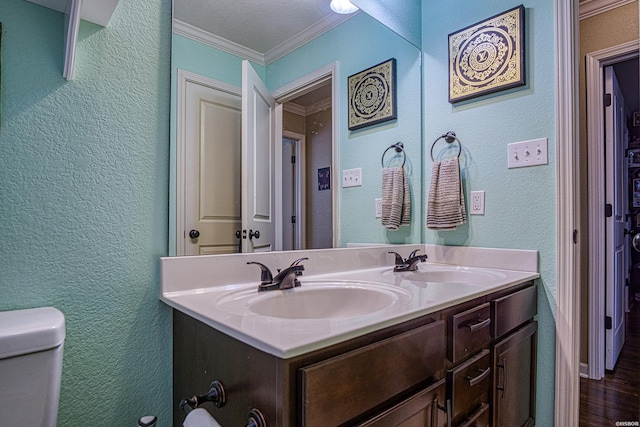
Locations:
217 395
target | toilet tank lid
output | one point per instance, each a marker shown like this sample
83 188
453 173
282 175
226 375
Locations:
30 330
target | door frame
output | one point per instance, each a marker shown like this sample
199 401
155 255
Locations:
595 64
291 91
301 189
567 319
185 77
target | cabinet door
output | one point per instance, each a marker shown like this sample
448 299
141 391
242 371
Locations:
514 362
426 408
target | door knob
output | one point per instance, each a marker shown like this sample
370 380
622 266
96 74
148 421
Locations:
636 242
194 234
253 234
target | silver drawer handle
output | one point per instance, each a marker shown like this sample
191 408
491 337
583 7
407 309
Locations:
484 373
476 326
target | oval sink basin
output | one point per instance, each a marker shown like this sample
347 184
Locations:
471 277
318 300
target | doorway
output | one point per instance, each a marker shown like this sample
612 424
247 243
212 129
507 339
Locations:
306 105
602 207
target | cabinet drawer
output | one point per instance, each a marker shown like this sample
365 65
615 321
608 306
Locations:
513 310
480 418
469 332
426 408
470 385
339 389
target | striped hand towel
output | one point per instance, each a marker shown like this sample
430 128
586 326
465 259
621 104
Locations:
445 205
396 201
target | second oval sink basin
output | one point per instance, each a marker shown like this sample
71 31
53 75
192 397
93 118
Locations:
317 300
466 276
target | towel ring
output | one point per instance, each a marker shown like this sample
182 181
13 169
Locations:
449 137
399 147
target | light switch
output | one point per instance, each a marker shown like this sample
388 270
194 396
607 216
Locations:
352 177
527 153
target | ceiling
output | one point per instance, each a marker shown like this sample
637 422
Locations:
251 23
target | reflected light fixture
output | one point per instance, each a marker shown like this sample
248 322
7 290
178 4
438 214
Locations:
343 6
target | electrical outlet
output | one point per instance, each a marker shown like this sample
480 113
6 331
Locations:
378 208
352 177
477 203
527 153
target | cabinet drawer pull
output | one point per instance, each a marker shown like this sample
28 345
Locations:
503 389
446 409
484 373
477 326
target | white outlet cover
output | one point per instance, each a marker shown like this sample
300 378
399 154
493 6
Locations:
378 208
476 205
527 153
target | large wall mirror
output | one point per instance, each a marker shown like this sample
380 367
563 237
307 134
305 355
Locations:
259 131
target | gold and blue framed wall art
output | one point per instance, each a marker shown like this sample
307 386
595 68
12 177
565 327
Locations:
487 57
372 95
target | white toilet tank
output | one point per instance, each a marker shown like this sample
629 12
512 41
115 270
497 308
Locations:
31 344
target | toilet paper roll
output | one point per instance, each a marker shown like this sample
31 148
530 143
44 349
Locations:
199 417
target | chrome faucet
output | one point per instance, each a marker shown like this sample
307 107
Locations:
409 264
285 279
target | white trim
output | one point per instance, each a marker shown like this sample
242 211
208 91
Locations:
185 77
567 386
300 176
189 31
304 85
595 63
301 110
589 8
584 369
314 31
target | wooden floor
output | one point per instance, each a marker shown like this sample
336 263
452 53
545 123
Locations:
617 396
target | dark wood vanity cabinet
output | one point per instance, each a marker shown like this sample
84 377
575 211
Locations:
471 365
514 358
491 359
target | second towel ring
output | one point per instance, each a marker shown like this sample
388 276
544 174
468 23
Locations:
449 137
399 147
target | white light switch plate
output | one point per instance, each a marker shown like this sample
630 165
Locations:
378 208
528 153
352 177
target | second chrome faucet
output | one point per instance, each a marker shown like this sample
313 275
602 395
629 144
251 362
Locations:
285 279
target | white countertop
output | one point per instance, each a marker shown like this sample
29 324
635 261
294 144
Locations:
196 285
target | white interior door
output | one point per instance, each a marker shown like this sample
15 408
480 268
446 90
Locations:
258 163
616 181
209 147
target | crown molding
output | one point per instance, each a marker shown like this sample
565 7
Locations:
316 30
194 33
305 36
301 110
293 108
589 8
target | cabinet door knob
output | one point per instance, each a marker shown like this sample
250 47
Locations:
194 234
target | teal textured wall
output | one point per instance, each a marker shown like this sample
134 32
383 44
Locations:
520 204
83 201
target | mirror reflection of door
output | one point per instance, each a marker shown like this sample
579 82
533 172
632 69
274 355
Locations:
208 166
210 158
